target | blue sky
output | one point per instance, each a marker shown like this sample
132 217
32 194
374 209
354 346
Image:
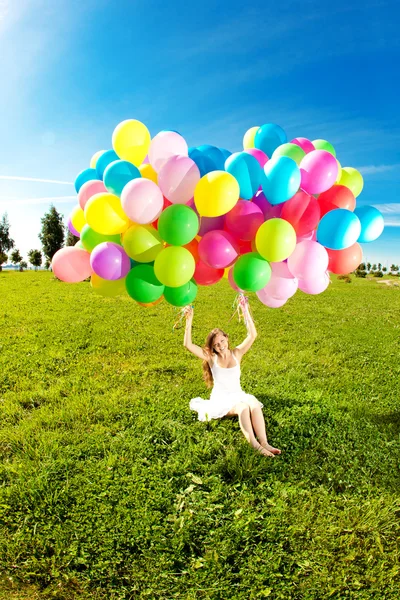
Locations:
72 70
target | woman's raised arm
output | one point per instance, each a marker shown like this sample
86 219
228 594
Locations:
187 340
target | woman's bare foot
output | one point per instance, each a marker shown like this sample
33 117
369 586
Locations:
271 449
264 451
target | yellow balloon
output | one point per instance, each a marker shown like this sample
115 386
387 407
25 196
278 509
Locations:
248 139
148 172
339 173
107 288
143 243
95 158
352 179
131 141
216 194
104 214
78 218
226 272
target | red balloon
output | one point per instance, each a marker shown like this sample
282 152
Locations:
344 261
302 212
338 196
205 275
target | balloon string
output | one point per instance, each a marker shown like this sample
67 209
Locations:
241 306
181 316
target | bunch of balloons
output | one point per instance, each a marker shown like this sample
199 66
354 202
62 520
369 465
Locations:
157 219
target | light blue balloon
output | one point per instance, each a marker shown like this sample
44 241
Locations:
118 174
268 137
83 177
372 223
282 179
338 229
214 154
104 160
247 171
203 162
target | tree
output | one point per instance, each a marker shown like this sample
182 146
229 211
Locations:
3 258
16 258
6 243
384 269
361 267
379 266
71 238
52 234
23 265
35 258
368 266
374 267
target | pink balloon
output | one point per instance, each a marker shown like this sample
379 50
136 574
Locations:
259 155
164 145
244 219
218 249
267 300
142 200
269 210
178 178
302 211
319 171
71 264
281 287
304 144
89 189
281 269
314 286
312 235
308 260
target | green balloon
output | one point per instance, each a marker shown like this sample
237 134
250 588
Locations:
324 145
181 296
174 266
178 224
91 238
142 285
275 240
291 150
251 272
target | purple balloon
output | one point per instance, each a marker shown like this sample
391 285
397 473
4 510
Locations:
110 261
72 229
269 210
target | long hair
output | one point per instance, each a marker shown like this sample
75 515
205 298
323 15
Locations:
209 351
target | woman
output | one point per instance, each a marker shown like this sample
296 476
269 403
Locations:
221 367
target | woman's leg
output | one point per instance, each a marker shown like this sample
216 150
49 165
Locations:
258 423
243 412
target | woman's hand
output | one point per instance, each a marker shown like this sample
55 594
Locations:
188 311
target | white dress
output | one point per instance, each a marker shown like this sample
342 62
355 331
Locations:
226 392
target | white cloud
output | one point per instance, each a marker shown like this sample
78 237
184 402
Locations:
18 178
388 209
373 169
32 201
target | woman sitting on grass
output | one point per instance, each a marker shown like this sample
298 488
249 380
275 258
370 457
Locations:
221 366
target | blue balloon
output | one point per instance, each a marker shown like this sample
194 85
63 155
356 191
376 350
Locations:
372 223
204 164
247 171
103 161
118 174
225 153
268 137
214 154
338 229
282 179
83 177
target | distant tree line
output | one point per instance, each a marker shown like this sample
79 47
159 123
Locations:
376 270
52 237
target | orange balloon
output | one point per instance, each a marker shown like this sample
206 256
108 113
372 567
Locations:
147 304
193 248
338 196
344 261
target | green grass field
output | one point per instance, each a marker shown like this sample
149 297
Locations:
111 490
